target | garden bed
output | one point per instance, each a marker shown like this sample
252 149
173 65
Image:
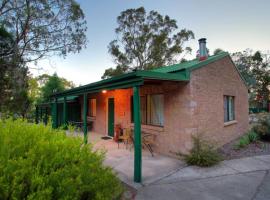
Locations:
229 151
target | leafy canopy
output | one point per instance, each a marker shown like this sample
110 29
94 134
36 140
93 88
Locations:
52 85
255 68
42 28
13 81
145 41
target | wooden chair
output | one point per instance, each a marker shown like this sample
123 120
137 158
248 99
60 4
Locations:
126 137
148 142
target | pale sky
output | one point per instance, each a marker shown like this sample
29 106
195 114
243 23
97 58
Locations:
232 25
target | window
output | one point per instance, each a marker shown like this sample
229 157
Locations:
229 114
92 107
152 109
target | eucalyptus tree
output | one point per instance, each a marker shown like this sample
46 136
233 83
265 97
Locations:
31 30
42 28
145 41
255 69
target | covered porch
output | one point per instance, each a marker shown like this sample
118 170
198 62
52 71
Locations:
121 160
102 95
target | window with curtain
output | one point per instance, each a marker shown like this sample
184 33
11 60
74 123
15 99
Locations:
152 109
229 113
155 109
92 107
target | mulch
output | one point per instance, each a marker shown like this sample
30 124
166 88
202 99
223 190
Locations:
229 151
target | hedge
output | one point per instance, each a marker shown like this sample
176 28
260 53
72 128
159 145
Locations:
37 162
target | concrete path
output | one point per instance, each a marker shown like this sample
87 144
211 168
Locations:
121 160
243 179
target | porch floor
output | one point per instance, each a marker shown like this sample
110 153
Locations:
122 161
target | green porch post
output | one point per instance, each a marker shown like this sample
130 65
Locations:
137 136
85 118
41 115
36 115
54 114
65 112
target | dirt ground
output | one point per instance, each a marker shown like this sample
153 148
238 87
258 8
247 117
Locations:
229 151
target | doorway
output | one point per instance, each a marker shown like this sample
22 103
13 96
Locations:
111 117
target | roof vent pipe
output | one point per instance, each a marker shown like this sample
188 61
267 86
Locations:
202 54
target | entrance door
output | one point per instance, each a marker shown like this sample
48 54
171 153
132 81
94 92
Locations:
111 117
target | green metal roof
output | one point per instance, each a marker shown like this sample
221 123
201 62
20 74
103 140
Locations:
193 64
177 72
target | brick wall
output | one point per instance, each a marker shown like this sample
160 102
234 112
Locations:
208 86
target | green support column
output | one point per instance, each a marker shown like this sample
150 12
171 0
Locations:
54 114
85 118
65 112
137 136
36 115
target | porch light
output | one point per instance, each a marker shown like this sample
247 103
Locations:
104 91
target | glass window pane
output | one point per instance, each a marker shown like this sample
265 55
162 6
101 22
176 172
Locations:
225 109
92 107
143 110
229 112
156 103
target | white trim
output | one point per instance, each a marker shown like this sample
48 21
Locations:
230 123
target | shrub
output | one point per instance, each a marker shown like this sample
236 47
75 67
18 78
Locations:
202 154
245 140
263 128
37 162
252 136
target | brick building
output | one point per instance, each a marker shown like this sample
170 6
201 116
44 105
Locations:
205 96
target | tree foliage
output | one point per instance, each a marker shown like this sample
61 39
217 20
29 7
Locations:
31 30
13 81
52 85
255 69
42 28
217 51
145 41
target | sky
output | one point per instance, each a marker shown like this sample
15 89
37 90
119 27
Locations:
232 25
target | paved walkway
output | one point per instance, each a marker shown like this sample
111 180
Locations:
121 159
243 179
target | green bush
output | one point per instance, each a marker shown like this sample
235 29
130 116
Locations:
245 140
37 162
202 154
252 136
263 128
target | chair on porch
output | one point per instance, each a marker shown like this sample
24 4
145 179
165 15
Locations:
126 137
147 141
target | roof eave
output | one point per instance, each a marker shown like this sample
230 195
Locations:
123 81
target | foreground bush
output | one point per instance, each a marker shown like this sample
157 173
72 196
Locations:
202 154
37 162
263 128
